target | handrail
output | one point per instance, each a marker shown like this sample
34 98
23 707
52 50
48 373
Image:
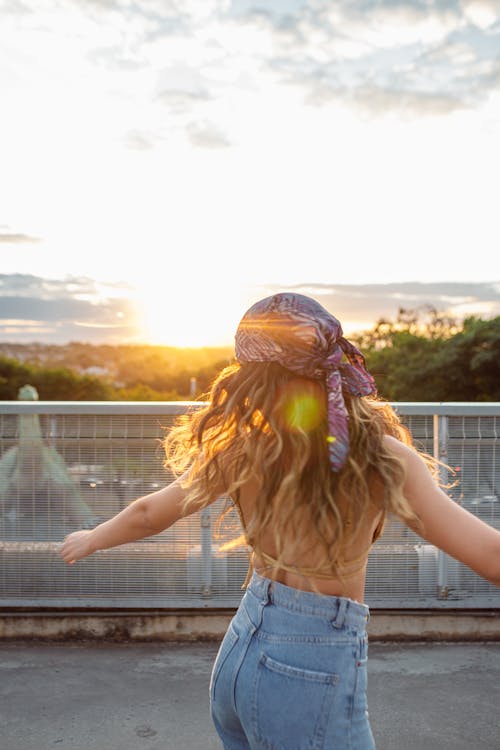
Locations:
417 408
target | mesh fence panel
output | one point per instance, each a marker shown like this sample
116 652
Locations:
78 465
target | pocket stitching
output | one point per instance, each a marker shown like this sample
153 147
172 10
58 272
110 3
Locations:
302 674
327 681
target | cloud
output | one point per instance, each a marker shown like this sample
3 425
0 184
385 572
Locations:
180 86
186 93
140 140
57 311
54 310
358 306
378 100
414 57
17 238
206 135
76 287
116 59
481 13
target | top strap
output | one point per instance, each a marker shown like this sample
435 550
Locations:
359 562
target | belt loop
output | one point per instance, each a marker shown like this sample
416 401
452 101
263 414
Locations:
264 600
341 613
269 588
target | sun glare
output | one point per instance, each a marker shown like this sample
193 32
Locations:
187 315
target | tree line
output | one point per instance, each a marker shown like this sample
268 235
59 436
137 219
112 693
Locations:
422 355
125 373
435 360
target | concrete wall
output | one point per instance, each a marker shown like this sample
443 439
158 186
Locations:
197 626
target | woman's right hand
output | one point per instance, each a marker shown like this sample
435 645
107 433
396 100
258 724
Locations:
76 546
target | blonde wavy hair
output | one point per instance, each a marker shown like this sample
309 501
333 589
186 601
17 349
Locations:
263 423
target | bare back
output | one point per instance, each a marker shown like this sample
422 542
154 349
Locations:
302 558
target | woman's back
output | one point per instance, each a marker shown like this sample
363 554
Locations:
300 556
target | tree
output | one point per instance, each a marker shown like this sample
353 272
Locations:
467 367
13 375
436 361
52 384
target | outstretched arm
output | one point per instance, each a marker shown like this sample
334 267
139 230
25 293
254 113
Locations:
446 524
144 517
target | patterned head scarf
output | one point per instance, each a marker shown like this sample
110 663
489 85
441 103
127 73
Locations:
299 334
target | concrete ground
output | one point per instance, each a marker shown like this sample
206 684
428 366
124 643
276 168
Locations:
154 696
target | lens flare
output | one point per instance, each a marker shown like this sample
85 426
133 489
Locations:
303 408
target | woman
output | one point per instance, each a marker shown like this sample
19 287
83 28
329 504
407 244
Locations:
294 434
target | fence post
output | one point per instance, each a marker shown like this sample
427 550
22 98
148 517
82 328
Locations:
440 435
206 552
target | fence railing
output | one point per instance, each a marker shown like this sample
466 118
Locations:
69 465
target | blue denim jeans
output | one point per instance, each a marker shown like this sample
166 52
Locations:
290 673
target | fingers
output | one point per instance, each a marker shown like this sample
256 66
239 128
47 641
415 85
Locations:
67 553
75 547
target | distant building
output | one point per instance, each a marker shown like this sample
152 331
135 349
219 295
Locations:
95 370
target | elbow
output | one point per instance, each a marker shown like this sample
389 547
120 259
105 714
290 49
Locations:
144 517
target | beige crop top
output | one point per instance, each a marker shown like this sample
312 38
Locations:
359 562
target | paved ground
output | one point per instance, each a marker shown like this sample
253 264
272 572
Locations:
152 696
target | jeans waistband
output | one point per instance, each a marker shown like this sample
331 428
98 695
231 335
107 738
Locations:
340 610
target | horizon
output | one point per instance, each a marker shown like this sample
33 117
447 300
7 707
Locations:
358 307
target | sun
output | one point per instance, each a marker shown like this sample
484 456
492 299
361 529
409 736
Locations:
187 315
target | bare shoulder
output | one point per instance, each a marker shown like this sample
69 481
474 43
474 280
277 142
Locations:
399 448
416 467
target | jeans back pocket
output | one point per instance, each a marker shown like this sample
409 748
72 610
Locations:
291 705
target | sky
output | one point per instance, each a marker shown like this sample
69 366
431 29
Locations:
165 163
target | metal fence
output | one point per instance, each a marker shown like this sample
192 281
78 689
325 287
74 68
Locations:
69 465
